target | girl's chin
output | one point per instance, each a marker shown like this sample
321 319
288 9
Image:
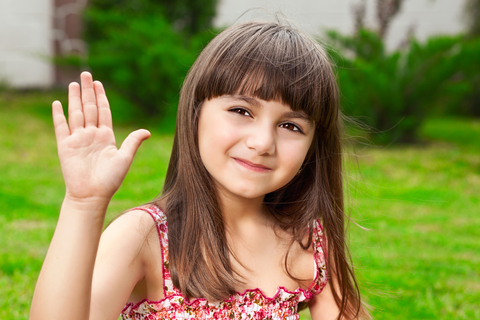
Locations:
243 193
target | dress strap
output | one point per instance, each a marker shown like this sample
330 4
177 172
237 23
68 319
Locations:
319 254
162 229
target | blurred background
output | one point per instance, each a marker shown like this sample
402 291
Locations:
409 73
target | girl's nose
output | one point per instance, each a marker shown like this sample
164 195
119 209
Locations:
262 140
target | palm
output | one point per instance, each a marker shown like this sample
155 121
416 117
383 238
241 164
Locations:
91 162
92 165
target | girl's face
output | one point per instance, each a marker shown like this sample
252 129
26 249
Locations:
250 146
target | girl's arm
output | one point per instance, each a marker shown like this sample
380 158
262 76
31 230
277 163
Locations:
127 248
93 169
323 306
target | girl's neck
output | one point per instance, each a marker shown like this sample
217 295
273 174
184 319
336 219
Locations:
240 212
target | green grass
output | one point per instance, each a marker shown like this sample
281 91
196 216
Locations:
419 258
421 255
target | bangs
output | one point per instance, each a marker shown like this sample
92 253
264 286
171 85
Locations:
269 62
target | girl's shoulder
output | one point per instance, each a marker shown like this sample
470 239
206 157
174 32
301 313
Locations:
134 234
154 211
301 258
146 223
131 234
137 221
153 220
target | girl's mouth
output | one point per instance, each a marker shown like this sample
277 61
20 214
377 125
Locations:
252 166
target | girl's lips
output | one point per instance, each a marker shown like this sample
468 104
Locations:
252 166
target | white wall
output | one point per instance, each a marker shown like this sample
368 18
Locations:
428 17
26 42
26 27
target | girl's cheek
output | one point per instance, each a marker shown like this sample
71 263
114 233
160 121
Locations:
229 131
294 154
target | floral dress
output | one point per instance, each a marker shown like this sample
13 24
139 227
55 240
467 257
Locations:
251 304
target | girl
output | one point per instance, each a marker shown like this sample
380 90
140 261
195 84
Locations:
250 224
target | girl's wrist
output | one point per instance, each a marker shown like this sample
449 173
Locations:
91 206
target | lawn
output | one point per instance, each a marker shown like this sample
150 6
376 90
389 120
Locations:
417 252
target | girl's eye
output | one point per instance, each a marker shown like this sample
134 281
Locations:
291 127
241 111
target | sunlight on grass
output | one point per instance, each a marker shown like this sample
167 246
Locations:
421 254
418 259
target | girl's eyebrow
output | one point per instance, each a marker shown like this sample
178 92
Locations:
251 101
299 115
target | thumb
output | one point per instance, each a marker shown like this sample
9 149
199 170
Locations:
131 144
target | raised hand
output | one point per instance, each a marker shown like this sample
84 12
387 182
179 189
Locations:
92 166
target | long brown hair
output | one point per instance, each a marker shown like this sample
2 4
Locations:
269 61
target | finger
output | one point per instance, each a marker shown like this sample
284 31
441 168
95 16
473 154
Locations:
75 110
132 143
104 112
59 121
89 101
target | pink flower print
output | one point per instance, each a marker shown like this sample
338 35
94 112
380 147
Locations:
162 228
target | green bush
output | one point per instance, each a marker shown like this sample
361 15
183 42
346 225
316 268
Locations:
394 91
140 53
187 16
468 79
